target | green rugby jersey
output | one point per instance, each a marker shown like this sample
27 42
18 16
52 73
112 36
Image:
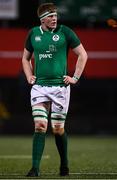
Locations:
50 53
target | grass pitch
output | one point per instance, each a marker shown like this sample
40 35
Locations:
89 158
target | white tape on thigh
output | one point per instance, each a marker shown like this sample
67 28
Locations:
39 113
56 124
58 119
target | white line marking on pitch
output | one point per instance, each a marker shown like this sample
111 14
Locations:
21 157
72 173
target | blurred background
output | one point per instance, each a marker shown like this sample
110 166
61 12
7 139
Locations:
93 105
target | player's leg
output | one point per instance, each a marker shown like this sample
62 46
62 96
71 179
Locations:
61 143
58 118
40 116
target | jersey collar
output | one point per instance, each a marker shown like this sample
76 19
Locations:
54 30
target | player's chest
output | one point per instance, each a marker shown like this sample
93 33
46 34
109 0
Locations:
48 41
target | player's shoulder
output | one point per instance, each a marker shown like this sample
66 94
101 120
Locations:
34 30
65 29
61 27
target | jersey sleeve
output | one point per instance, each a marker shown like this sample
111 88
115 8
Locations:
28 44
71 37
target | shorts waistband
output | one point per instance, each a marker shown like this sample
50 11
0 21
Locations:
52 86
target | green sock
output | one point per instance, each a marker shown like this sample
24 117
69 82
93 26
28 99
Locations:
38 147
61 143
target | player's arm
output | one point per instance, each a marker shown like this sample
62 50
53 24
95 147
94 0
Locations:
80 64
81 61
27 66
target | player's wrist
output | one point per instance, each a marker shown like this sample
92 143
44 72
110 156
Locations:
75 78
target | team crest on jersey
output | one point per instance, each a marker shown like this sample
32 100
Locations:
37 38
55 37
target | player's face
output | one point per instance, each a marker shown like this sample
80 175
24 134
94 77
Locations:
51 21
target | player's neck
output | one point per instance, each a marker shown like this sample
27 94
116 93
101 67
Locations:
46 28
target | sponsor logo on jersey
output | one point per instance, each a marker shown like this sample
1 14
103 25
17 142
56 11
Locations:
55 37
45 56
37 38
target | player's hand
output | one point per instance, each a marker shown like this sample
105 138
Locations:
69 80
32 79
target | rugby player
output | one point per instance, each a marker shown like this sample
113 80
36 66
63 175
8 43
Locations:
50 92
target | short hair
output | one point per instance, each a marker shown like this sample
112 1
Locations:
50 7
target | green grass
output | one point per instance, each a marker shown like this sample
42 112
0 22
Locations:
89 157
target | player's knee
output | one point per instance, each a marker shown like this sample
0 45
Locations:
40 126
40 116
58 131
57 122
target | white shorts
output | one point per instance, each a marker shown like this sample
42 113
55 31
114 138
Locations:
58 96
